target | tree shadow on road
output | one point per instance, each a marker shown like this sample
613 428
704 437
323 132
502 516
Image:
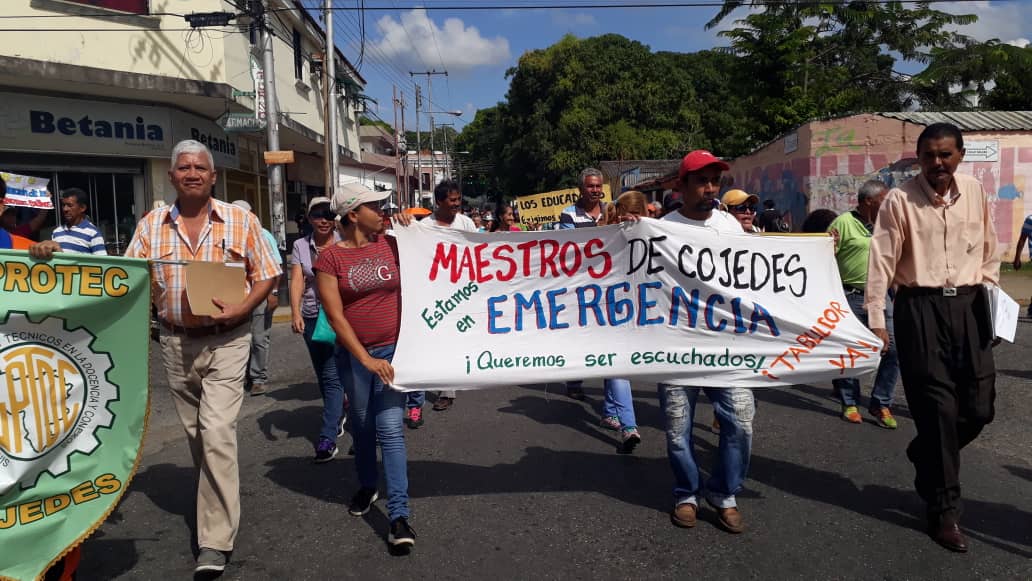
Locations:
108 558
795 397
1019 373
303 422
635 480
989 522
307 391
1020 471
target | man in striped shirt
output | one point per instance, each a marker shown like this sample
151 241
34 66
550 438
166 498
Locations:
77 233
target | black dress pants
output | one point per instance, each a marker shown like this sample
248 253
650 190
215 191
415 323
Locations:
949 376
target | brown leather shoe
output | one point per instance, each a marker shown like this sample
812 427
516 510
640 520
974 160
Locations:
730 520
443 403
948 535
258 389
683 515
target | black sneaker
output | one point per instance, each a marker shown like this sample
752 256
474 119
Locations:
325 451
401 534
210 560
363 501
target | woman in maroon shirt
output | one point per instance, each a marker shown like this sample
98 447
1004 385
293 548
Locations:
358 282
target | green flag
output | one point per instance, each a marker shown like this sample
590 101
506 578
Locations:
73 399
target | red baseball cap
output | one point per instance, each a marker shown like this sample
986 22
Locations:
698 159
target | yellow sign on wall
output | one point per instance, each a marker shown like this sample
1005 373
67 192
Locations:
537 209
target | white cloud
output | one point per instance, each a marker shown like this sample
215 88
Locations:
415 39
573 19
1009 22
1019 42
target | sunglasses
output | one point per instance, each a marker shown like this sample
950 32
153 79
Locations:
325 214
742 208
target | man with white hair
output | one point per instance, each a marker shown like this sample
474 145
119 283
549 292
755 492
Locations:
261 323
206 357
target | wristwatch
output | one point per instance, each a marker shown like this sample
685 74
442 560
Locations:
275 293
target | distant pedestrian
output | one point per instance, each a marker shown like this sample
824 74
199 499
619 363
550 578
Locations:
742 206
772 220
816 222
852 232
589 210
448 214
261 322
76 233
935 243
358 281
506 221
304 310
1025 237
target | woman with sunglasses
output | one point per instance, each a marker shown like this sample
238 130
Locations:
304 309
743 207
358 280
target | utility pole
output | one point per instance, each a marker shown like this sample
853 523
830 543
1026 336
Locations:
276 200
327 148
419 146
397 154
430 97
331 104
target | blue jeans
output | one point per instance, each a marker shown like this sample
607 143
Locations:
415 399
376 414
619 403
325 365
735 409
888 370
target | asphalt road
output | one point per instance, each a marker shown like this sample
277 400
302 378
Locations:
521 483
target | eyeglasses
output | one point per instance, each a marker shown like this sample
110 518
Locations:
326 214
742 208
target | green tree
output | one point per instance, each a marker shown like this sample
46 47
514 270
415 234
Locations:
989 75
811 60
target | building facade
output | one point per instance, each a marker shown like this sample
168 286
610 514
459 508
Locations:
97 98
823 163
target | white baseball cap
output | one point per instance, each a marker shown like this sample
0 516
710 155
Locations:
316 201
350 196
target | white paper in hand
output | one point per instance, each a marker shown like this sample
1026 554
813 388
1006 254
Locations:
1004 312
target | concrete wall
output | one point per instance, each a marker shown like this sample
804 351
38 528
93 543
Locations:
123 49
833 158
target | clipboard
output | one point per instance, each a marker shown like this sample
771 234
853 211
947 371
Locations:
208 280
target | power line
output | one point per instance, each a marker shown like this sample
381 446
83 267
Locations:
595 5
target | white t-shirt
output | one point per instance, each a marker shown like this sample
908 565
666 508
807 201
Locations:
461 222
719 220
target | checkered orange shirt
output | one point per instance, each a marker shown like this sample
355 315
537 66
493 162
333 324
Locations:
231 235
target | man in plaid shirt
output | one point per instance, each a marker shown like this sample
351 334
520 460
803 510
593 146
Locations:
205 357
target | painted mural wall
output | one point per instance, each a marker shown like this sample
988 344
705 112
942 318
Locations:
824 164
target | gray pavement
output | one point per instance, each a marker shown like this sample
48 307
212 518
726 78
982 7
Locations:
521 483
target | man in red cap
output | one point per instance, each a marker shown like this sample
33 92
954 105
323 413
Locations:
698 183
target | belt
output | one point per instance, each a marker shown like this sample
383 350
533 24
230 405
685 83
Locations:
852 290
945 291
195 332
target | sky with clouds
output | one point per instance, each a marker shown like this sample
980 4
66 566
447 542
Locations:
476 47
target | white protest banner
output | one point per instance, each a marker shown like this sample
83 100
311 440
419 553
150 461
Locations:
650 300
26 191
